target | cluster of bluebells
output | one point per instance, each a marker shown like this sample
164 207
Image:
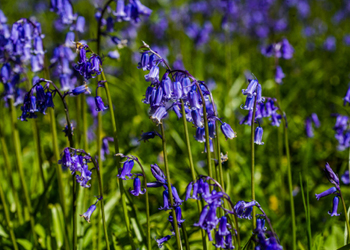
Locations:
283 50
308 124
161 181
255 98
77 161
264 240
208 219
37 99
165 94
335 190
342 132
132 11
20 45
67 17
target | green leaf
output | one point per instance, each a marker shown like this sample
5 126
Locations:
26 244
39 229
318 242
56 226
3 233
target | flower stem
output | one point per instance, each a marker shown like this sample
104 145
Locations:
9 173
290 184
346 216
253 161
190 159
187 243
116 147
149 245
176 228
102 203
18 154
7 217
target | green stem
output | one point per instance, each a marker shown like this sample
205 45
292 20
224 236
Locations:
102 205
290 184
346 215
184 232
149 245
7 217
59 173
165 155
253 161
37 144
18 154
116 147
190 159
9 173
309 234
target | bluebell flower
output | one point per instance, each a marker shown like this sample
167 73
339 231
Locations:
105 147
315 119
330 43
125 171
279 75
249 103
193 98
335 207
40 94
177 111
197 120
166 86
260 225
82 89
178 215
258 136
228 241
244 209
149 135
176 197
202 217
332 177
166 203
188 190
186 85
80 24
219 240
151 91
227 131
211 127
137 188
85 176
259 98
286 49
157 101
200 134
161 241
99 104
159 114
153 75
251 88
329 191
211 146
345 178
119 11
347 97
66 160
88 213
158 173
308 128
177 90
223 225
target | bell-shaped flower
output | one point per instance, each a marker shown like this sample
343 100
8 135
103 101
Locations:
335 207
258 136
227 131
99 104
329 191
88 213
137 188
125 171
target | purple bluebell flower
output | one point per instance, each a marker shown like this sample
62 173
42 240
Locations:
177 111
308 128
200 134
85 176
66 160
105 147
119 11
166 86
158 173
345 178
244 209
279 75
137 188
99 104
161 241
177 90
219 240
227 131
179 219
186 85
88 213
149 135
80 24
249 103
157 101
335 207
223 226
125 171
82 89
260 225
166 202
211 126
159 114
177 200
286 50
330 43
332 177
211 146
251 88
315 119
329 191
153 75
228 241
202 217
347 97
193 98
197 120
188 191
